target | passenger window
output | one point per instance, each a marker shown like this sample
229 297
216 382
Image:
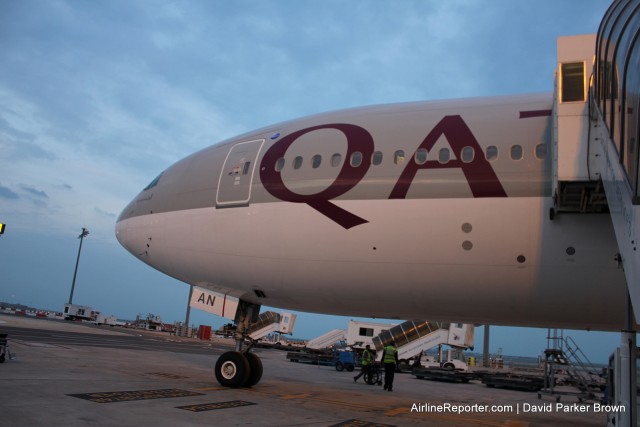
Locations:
421 156
356 159
316 161
280 164
247 166
297 162
468 154
516 152
541 151
444 155
398 157
376 159
336 159
492 153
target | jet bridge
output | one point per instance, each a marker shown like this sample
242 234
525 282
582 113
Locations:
596 136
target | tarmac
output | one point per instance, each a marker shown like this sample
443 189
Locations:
92 383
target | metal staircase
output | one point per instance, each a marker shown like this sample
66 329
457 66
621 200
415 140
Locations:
564 357
272 322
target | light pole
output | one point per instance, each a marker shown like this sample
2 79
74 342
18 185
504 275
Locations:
82 235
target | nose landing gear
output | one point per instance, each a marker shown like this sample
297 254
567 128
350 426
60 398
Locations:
240 368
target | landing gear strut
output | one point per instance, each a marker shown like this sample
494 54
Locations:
240 368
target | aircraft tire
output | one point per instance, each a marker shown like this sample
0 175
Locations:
232 369
255 370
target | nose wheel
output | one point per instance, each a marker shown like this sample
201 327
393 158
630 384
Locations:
235 369
232 369
240 368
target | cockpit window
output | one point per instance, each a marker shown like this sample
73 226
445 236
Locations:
153 183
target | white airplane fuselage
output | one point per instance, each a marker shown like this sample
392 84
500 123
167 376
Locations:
427 210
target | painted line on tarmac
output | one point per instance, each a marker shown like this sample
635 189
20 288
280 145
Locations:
360 423
216 405
211 388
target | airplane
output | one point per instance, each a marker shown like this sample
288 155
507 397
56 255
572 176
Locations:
444 208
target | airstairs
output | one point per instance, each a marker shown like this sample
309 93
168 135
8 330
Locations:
327 340
414 337
563 357
271 322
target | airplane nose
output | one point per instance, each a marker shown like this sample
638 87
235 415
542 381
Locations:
132 226
124 233
130 229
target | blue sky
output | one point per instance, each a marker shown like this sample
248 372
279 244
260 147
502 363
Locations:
98 97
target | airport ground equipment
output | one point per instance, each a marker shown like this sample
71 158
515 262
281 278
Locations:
103 319
442 374
358 334
327 340
4 349
271 322
79 312
413 338
563 354
315 358
513 382
346 360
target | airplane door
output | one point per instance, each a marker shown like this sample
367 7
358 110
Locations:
234 186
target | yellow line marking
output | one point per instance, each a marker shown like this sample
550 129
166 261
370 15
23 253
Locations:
396 411
294 396
210 388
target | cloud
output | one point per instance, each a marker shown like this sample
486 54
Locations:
18 144
7 193
104 213
34 192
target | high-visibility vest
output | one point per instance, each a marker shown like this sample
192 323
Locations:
390 354
366 357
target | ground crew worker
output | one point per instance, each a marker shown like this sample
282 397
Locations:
390 360
367 358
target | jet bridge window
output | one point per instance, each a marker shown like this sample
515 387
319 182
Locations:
572 82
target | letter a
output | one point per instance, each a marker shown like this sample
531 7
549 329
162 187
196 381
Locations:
479 174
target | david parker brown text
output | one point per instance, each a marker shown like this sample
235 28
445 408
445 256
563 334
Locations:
517 408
